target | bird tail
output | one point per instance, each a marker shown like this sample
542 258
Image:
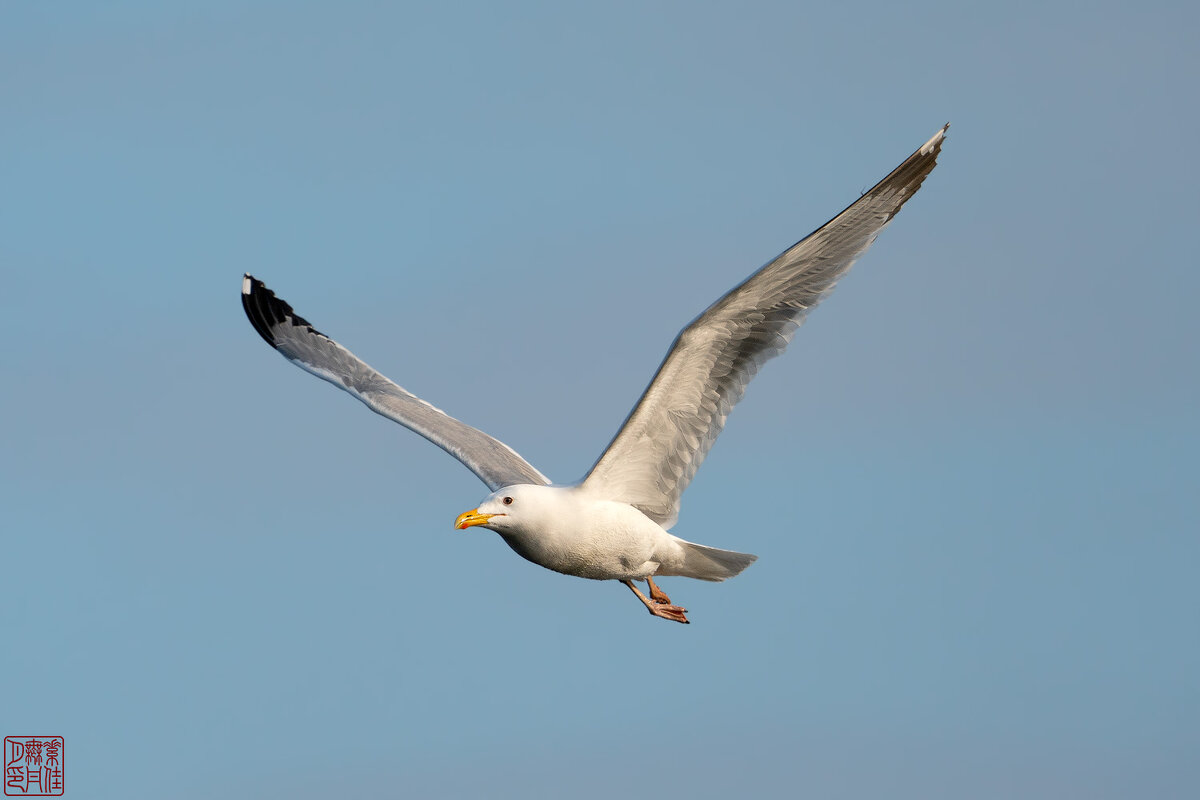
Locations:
711 564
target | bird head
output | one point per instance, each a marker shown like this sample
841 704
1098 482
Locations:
503 511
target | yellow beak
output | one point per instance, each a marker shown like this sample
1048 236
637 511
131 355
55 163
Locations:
473 517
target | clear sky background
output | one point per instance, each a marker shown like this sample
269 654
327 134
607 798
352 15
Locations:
972 481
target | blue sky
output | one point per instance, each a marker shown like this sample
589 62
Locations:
972 480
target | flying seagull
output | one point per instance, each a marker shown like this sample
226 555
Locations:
613 525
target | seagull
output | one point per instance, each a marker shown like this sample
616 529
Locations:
614 524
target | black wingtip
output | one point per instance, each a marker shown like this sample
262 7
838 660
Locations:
267 312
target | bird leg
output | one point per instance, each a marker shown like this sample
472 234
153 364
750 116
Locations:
659 608
657 594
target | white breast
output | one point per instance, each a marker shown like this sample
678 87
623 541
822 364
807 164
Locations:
572 533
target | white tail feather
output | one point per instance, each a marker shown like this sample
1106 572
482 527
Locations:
709 563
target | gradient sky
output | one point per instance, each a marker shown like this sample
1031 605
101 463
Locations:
972 481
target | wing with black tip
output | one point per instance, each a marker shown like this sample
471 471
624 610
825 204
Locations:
495 463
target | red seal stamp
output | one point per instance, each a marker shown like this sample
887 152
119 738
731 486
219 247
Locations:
33 766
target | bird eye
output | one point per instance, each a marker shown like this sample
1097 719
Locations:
508 501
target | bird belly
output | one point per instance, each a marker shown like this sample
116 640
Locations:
612 545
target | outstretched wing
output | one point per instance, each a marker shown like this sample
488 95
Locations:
656 453
494 462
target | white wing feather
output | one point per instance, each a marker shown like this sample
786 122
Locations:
662 443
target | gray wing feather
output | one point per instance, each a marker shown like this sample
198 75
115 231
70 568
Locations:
662 443
496 464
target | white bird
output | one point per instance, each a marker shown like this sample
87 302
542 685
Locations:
613 525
